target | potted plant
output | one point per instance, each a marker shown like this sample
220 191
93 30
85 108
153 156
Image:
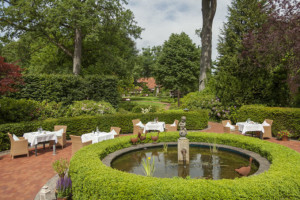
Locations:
284 135
60 167
63 188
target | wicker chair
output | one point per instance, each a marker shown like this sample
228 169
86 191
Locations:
268 129
136 129
18 147
61 140
117 129
172 128
77 143
227 129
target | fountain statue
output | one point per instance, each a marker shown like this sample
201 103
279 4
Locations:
183 144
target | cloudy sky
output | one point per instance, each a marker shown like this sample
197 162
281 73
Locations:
160 18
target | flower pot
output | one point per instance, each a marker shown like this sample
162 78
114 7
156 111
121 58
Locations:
285 138
63 198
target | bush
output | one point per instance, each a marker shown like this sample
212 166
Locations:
85 124
68 88
93 180
202 100
89 107
283 118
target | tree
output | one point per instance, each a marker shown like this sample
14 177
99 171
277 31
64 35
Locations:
177 66
10 77
235 84
208 12
276 48
69 24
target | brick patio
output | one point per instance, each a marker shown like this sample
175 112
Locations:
22 177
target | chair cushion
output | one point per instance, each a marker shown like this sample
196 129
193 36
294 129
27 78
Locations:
265 124
230 126
15 138
140 124
113 132
59 132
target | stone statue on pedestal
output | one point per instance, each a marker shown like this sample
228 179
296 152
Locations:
183 131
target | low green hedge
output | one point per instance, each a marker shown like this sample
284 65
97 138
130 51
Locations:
84 124
283 118
91 179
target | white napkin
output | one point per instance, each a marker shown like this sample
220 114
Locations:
15 138
265 124
174 124
59 132
232 128
140 124
113 132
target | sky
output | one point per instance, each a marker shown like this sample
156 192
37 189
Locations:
161 18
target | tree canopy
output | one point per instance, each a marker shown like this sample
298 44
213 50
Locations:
75 28
178 64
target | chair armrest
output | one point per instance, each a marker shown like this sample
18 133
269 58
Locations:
87 143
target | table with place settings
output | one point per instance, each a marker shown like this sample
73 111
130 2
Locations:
246 127
155 126
40 137
97 137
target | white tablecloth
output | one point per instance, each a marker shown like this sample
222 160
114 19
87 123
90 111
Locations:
245 127
97 137
35 137
155 126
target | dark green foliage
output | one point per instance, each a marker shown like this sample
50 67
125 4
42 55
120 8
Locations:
85 124
69 88
283 118
127 105
93 180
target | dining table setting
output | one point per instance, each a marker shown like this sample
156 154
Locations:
154 126
98 136
250 126
40 136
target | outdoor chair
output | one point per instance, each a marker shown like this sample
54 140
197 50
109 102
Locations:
61 140
171 127
227 129
77 143
18 147
117 129
268 129
136 128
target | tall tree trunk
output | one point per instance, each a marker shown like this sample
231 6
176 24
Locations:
208 12
77 51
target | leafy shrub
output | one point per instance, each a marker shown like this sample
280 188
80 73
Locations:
93 180
144 109
200 100
127 105
17 110
283 118
68 88
89 107
84 124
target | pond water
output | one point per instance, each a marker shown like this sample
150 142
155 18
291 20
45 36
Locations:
203 163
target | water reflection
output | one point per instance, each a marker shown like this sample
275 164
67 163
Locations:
203 164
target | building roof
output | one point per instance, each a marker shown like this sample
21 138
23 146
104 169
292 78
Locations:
150 82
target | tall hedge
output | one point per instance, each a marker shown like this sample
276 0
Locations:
86 124
283 118
68 88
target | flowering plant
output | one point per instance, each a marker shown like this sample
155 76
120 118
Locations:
284 133
148 167
64 187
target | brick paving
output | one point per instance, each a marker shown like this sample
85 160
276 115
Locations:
22 177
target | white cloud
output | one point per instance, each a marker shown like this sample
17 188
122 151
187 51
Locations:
161 18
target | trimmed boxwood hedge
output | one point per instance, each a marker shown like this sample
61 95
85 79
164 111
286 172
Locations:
283 118
91 179
84 124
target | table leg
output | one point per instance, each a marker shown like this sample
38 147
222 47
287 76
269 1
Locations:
44 145
35 149
54 147
261 135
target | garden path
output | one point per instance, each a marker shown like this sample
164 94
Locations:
23 177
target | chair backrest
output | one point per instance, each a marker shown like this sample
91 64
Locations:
224 122
176 122
117 129
58 127
75 139
269 121
135 121
12 141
